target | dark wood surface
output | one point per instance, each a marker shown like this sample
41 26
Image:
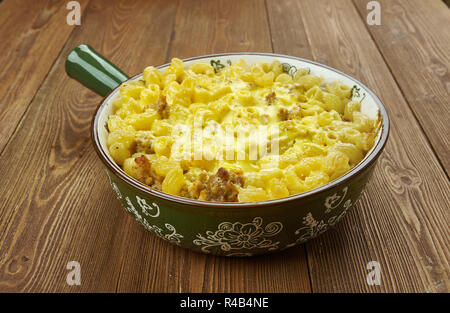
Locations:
55 204
416 47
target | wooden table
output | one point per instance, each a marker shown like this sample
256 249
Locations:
55 204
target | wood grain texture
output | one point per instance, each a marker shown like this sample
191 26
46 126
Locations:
401 220
415 45
32 35
56 206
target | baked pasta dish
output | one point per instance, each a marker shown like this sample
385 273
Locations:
236 132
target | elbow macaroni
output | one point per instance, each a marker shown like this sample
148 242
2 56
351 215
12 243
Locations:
322 132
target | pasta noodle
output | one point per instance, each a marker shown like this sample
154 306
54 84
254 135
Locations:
313 132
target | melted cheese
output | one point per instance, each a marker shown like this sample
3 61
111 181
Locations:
196 120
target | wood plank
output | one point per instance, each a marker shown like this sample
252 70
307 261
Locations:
401 220
220 26
416 47
33 34
203 28
55 204
288 34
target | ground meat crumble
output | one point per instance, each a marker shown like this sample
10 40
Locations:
145 174
270 98
294 113
221 187
162 108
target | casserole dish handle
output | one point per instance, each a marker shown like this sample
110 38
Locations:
92 70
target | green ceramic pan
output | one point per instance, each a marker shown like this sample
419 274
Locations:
229 229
